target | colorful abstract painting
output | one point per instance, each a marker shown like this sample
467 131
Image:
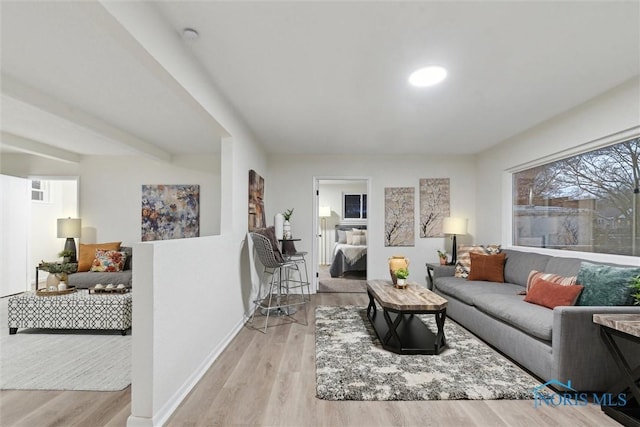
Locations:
170 212
434 205
256 201
399 216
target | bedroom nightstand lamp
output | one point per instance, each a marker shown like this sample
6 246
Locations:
70 228
324 212
454 226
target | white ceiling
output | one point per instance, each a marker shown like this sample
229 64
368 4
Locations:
313 77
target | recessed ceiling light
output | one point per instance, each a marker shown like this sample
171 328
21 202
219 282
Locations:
190 34
427 76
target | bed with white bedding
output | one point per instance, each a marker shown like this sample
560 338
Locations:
349 250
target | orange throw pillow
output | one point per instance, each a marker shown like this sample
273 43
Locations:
550 295
487 267
87 253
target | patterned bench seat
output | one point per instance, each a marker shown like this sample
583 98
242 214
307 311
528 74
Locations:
78 310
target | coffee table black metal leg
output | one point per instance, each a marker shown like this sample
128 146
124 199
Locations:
392 327
441 340
371 307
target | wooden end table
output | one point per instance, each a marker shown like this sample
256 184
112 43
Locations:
626 326
398 329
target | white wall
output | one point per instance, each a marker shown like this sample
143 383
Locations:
111 189
15 215
609 113
292 186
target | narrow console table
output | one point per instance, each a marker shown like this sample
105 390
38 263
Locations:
626 326
398 329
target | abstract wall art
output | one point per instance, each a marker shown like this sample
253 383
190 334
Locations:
256 201
170 212
399 216
434 206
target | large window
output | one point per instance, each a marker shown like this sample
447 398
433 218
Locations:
589 202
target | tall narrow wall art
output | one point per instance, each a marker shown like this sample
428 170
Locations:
170 212
434 205
256 201
399 216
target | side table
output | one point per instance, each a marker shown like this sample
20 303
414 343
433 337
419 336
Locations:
626 326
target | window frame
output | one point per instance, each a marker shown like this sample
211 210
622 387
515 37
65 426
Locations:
45 191
362 211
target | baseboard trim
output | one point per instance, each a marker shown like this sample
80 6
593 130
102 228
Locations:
163 414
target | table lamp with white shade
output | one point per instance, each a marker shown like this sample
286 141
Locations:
70 228
324 212
454 226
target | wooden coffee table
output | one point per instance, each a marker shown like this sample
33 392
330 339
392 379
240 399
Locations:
398 329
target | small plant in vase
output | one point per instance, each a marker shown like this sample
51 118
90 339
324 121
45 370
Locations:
442 255
66 255
635 290
287 225
401 275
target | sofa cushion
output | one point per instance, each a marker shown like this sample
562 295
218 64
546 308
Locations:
487 267
550 277
549 294
87 253
109 261
88 279
466 290
605 284
563 266
463 263
532 319
519 264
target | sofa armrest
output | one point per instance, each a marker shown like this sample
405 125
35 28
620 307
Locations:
444 271
579 352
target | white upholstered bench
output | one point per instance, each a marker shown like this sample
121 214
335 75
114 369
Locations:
78 310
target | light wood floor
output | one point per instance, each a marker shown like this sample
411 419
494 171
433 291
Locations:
269 380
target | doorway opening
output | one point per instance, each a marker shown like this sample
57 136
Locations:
342 216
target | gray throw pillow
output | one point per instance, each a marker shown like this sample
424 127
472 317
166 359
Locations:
605 284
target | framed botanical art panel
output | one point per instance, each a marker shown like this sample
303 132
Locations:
434 206
399 216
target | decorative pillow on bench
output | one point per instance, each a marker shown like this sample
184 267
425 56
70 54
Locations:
87 253
108 261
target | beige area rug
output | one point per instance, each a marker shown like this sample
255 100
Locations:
350 283
65 360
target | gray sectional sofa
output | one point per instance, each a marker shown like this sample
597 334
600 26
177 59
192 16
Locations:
87 279
562 344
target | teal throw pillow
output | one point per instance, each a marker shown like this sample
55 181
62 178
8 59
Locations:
605 285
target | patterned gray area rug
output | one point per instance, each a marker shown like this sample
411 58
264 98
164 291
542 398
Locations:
69 361
352 365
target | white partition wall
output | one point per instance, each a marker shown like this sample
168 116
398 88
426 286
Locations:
14 219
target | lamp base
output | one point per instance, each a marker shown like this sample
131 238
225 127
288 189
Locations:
70 245
454 251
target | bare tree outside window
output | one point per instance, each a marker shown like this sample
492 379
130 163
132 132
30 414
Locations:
589 202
